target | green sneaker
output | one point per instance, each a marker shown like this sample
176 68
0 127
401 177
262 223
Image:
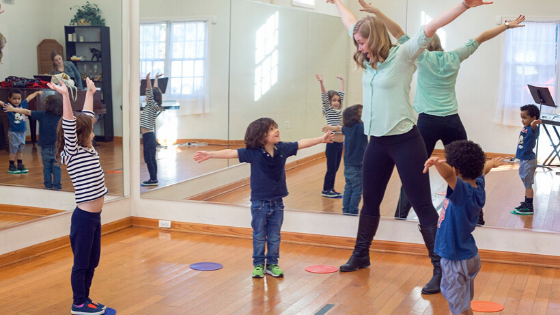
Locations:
22 169
13 169
274 271
258 271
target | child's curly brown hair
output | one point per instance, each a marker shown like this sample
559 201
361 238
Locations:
255 136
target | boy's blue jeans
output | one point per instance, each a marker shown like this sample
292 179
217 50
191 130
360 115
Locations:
51 171
353 189
267 218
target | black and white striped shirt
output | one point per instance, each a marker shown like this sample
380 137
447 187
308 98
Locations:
334 116
82 164
150 112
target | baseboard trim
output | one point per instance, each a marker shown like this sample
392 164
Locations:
244 182
348 242
489 155
61 242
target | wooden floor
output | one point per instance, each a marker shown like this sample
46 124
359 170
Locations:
176 164
146 271
111 159
10 214
504 191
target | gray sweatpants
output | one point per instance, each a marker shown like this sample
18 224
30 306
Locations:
457 282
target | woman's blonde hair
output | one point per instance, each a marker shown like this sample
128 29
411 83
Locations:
435 44
3 42
379 41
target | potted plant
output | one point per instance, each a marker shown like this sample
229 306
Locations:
87 14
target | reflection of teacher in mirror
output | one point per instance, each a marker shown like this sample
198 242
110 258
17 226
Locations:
59 66
435 99
389 121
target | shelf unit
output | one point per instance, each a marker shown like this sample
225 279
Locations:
97 37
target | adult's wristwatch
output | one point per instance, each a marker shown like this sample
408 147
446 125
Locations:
507 25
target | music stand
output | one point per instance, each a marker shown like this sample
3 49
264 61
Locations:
542 96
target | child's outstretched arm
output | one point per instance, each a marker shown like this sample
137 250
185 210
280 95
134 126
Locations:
394 28
535 123
493 32
66 105
148 82
348 18
156 79
202 156
493 163
320 79
341 84
443 169
33 95
306 143
88 103
332 128
10 108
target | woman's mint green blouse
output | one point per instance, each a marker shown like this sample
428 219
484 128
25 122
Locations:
437 76
386 91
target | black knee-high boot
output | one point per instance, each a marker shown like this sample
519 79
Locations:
429 235
366 231
403 206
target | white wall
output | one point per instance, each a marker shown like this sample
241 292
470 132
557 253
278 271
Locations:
307 44
211 125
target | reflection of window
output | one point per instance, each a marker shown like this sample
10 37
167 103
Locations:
177 49
303 3
425 19
266 56
530 56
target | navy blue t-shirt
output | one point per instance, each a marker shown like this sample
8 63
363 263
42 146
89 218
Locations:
17 120
268 174
47 127
526 144
355 143
458 219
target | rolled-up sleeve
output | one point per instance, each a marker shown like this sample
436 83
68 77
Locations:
415 46
466 50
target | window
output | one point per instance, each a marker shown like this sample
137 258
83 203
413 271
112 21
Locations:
179 50
530 56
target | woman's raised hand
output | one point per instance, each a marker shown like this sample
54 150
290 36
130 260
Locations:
319 77
59 88
367 7
90 86
517 22
476 3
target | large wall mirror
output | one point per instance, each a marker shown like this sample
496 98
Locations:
260 60
80 51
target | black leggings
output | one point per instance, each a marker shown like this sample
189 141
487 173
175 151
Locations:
334 156
149 144
408 153
434 128
85 240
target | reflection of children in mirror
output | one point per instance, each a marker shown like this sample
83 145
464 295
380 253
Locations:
18 127
267 156
48 121
148 127
332 110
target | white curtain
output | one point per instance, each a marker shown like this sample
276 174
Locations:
530 56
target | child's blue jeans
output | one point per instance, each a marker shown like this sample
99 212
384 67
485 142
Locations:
266 223
353 189
51 169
